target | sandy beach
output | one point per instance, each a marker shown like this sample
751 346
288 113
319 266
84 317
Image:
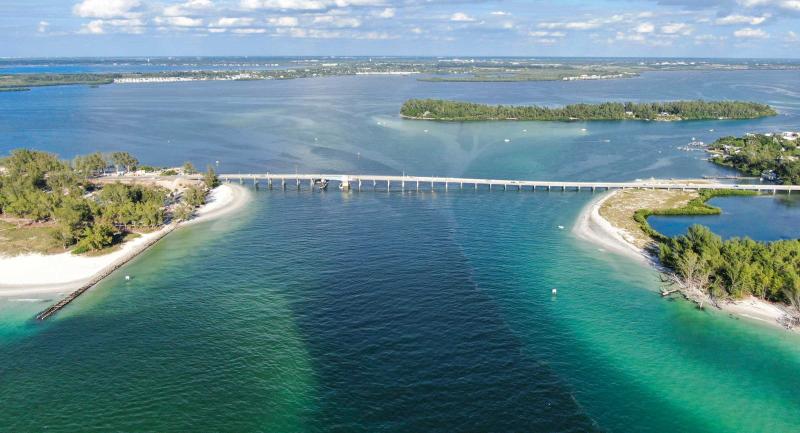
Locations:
33 274
592 227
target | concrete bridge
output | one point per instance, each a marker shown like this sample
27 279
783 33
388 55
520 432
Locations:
406 183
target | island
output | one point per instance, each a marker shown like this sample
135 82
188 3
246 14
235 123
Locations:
756 280
457 111
440 70
66 225
772 156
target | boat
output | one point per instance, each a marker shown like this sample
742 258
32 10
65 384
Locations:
321 183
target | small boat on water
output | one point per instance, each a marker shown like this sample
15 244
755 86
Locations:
321 183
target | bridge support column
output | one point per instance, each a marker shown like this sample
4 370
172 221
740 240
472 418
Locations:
505 187
563 188
345 185
417 185
374 184
269 182
445 185
476 186
403 185
359 184
461 186
283 184
388 185
298 184
432 187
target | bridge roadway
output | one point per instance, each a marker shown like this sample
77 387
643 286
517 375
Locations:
361 181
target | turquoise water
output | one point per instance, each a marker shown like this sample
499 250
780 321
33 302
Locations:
379 311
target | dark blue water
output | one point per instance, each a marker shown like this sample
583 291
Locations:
390 312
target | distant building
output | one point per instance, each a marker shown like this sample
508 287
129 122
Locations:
790 136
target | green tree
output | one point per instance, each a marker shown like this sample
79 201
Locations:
195 196
210 178
124 160
188 168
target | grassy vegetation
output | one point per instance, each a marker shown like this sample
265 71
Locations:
11 82
436 109
16 239
696 206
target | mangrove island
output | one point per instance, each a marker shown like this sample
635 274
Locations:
442 110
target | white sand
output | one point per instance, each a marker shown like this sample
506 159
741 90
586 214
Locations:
592 227
37 273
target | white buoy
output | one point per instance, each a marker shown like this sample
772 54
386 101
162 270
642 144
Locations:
127 277
524 130
561 227
507 140
555 292
583 129
426 131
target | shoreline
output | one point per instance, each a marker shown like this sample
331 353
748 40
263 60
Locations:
593 228
37 274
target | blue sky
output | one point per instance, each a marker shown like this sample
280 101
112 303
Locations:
702 28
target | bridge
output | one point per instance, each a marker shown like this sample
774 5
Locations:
406 183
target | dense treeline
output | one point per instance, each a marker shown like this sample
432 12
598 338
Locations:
23 81
735 268
435 109
38 187
759 155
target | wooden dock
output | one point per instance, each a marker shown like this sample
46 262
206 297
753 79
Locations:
105 272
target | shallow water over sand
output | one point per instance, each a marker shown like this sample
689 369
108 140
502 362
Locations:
379 311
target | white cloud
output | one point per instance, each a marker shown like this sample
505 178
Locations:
105 8
461 17
283 21
234 22
542 33
645 28
386 13
188 7
93 28
500 13
677 28
42 27
306 5
791 5
741 19
179 21
571 25
337 21
751 33
248 31
792 37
